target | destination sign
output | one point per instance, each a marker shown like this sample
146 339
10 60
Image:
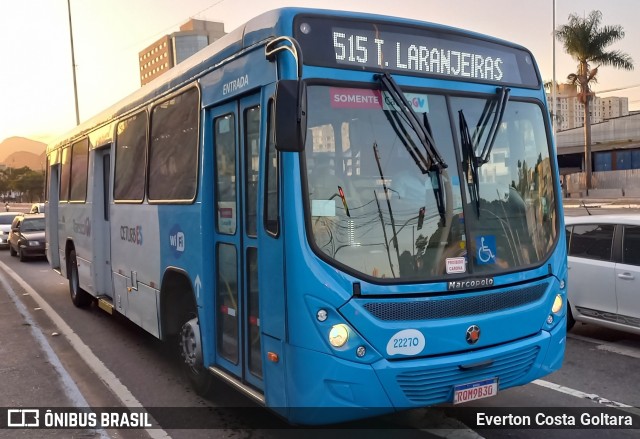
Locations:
411 50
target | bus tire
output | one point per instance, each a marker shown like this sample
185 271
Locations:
570 320
79 297
191 359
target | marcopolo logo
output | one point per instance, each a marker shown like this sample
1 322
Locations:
472 283
177 240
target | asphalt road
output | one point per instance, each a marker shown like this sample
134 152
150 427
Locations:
125 366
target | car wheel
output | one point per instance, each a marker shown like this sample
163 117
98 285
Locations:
12 252
79 297
21 255
191 360
570 320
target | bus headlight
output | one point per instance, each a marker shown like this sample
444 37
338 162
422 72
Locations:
558 303
338 335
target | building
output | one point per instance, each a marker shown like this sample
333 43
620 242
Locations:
570 112
172 49
615 145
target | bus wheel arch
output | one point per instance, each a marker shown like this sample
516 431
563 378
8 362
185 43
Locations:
181 328
79 297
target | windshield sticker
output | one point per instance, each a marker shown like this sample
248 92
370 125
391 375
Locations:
355 98
456 265
227 217
486 249
419 102
406 342
323 208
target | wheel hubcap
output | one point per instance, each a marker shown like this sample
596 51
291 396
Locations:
190 348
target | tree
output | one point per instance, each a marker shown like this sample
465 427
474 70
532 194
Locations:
586 40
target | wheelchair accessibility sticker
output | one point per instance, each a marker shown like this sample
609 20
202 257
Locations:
486 249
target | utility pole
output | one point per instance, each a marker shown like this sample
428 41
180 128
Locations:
553 81
73 65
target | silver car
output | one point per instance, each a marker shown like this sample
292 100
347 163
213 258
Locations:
604 270
5 227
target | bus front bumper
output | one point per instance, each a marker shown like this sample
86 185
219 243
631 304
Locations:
326 389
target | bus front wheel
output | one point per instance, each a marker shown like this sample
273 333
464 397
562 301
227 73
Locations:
190 348
79 297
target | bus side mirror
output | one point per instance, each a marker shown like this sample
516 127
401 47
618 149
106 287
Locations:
291 115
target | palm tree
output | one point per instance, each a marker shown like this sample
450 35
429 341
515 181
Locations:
585 39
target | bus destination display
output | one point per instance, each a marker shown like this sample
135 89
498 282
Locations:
409 50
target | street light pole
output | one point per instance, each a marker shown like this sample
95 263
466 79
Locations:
73 65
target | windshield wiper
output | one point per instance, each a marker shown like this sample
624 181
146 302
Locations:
494 105
433 160
469 162
433 164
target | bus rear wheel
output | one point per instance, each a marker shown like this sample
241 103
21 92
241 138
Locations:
79 297
190 348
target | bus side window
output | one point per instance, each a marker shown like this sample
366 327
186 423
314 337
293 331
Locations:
130 166
79 170
225 147
173 148
271 202
65 176
252 165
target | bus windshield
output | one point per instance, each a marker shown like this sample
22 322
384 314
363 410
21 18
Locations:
374 210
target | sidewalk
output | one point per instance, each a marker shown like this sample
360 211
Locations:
610 203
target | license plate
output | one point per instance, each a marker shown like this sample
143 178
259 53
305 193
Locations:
476 390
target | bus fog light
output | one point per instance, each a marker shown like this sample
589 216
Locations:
557 304
550 319
562 284
361 351
321 315
338 335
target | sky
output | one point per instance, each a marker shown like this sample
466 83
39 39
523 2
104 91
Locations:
36 82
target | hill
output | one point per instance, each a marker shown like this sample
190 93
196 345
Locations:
20 159
13 145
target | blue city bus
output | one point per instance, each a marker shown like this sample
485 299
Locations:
327 210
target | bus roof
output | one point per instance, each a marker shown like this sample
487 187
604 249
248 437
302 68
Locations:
265 26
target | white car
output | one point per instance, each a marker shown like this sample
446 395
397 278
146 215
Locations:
5 227
604 270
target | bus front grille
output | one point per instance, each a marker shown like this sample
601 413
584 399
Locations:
439 308
435 385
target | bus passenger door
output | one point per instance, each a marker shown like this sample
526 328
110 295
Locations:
53 245
236 151
101 232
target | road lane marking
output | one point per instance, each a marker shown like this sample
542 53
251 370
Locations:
84 352
620 349
69 386
616 348
580 394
